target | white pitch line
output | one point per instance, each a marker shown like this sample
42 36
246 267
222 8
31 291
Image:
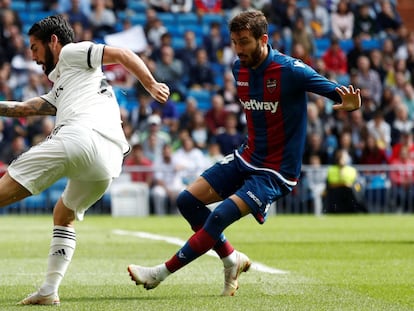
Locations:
176 241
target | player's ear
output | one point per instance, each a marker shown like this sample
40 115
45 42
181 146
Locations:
264 39
54 41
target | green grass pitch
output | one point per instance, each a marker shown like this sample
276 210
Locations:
333 262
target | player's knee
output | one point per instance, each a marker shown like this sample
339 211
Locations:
187 202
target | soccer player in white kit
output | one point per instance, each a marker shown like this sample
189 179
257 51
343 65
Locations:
87 145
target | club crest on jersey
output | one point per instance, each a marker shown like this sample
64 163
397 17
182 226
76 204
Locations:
271 85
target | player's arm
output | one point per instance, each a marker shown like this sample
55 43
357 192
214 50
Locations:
135 65
32 107
347 98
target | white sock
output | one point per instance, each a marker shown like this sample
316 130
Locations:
230 260
61 251
163 272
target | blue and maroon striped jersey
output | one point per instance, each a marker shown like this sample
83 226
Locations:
274 98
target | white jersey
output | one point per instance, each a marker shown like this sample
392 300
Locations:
81 94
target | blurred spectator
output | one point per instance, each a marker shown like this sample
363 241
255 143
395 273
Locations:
299 52
377 63
228 4
400 40
402 180
380 129
242 6
143 173
166 40
343 192
181 6
301 34
354 53
153 138
10 27
65 5
402 123
170 71
167 111
213 153
202 7
229 92
77 11
315 147
34 87
316 17
388 19
167 183
388 48
342 21
201 75
160 5
335 59
82 33
408 98
216 116
372 152
101 19
365 24
214 43
13 150
198 130
345 144
368 80
151 18
191 107
139 115
230 139
155 32
406 140
358 131
314 123
284 14
189 160
316 179
187 54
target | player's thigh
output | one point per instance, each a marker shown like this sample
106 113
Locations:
11 191
40 166
223 179
79 195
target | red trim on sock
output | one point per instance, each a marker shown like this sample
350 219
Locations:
201 242
173 264
224 249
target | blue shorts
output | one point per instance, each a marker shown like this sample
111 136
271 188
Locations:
257 188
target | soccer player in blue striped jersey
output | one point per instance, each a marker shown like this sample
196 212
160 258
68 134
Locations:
272 89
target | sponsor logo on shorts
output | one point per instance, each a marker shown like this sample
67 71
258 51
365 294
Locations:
254 198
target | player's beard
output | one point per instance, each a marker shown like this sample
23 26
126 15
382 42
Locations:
49 63
254 59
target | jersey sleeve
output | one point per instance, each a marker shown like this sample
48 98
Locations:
83 54
315 83
49 98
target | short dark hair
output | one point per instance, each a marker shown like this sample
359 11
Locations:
252 20
53 25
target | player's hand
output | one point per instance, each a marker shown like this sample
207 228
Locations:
160 92
351 99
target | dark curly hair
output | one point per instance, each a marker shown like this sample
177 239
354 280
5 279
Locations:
252 20
53 25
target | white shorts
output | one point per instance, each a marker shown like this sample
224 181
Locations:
86 158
